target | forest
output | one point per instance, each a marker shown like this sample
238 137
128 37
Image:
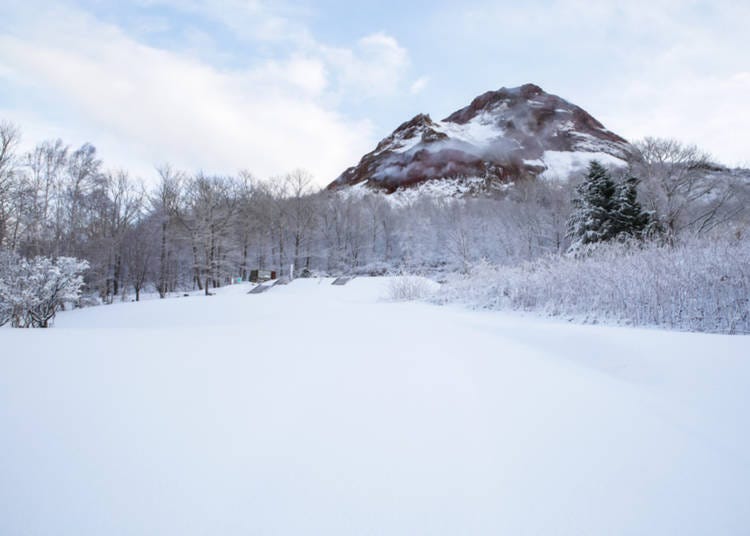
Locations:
182 230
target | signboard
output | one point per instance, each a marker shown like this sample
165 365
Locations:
257 276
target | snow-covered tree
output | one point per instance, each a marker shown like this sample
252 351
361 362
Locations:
604 210
9 267
53 283
9 139
593 209
687 191
630 220
33 291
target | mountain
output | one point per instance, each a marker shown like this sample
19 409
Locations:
502 136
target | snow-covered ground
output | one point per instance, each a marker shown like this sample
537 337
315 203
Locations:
319 409
561 165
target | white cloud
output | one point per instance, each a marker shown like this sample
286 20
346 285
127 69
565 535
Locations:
707 111
418 85
376 66
142 106
253 20
304 73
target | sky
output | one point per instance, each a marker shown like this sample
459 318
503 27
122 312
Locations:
270 87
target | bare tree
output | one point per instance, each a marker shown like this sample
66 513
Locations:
10 136
165 207
277 191
139 250
125 200
678 183
211 204
83 171
459 234
300 212
43 168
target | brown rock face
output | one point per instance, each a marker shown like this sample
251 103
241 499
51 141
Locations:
502 136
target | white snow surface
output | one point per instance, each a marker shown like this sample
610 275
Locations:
405 144
480 131
562 164
435 189
442 189
474 136
317 409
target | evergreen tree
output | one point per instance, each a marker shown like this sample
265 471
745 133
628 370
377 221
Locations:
592 217
604 210
629 218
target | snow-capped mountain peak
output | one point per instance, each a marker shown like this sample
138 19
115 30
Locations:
503 136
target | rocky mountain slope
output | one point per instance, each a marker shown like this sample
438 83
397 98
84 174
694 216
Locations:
502 136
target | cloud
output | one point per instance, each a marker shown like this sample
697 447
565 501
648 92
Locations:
418 85
707 111
376 66
307 74
251 20
142 105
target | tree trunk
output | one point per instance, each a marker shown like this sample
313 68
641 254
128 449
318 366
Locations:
196 268
163 262
116 275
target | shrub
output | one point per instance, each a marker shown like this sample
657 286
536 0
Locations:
32 291
410 288
698 285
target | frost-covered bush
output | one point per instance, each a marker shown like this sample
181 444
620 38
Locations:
371 269
8 269
411 288
700 285
33 290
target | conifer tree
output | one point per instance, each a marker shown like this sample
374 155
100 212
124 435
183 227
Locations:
592 217
629 218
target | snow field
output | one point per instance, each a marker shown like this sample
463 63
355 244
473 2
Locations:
316 409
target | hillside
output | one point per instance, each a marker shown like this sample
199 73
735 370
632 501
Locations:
502 136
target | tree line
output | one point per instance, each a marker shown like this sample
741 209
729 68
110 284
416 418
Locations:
199 231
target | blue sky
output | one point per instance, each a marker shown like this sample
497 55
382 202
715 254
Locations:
273 86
